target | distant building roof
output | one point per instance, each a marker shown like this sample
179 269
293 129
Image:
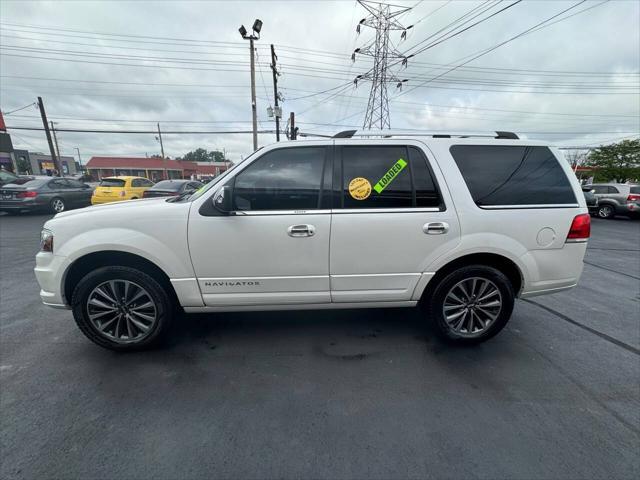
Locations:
143 163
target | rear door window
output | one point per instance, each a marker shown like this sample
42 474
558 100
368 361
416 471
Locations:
381 176
511 175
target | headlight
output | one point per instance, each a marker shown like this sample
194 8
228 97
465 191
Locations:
46 241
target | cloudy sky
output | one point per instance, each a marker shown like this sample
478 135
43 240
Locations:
568 77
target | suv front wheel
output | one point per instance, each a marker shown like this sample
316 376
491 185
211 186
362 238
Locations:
471 304
122 308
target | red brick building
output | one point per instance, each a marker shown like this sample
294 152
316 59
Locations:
152 168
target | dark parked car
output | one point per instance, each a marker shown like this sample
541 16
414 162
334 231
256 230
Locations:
53 194
171 188
591 199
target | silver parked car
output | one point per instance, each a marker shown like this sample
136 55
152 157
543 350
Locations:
617 199
51 194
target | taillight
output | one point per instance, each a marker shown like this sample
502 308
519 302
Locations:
633 198
27 194
580 228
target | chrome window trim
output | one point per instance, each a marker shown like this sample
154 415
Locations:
537 205
252 213
341 211
338 211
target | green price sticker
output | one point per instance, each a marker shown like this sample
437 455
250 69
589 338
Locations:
388 177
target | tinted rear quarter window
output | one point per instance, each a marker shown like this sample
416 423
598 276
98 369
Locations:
506 175
635 189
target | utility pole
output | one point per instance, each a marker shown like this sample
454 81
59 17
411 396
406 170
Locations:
292 126
257 26
55 141
79 160
383 18
162 152
48 134
275 73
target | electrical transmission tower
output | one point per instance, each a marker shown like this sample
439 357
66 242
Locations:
384 19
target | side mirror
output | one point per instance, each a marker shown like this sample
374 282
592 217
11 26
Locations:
85 186
223 201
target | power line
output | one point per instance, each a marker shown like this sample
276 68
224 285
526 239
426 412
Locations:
147 132
495 47
32 104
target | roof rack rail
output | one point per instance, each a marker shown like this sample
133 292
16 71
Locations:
434 134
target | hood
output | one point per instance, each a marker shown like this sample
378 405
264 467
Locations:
123 206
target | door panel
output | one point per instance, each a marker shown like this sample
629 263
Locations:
245 260
263 256
381 256
381 245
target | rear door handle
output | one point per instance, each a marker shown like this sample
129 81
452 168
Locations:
435 228
301 231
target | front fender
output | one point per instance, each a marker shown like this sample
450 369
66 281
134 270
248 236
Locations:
171 257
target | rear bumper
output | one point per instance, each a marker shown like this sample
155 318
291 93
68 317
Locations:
28 204
553 270
100 200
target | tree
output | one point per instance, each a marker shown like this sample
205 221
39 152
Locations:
202 155
617 162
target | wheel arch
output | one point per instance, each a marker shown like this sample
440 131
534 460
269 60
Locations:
107 258
497 261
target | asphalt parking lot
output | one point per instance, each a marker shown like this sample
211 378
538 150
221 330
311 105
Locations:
335 394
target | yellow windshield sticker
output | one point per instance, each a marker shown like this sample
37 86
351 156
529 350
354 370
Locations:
360 188
388 177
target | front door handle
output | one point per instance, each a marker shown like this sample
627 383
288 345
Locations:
435 228
301 231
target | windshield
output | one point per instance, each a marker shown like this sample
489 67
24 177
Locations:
111 182
167 185
198 193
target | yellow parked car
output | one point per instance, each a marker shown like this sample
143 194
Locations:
116 189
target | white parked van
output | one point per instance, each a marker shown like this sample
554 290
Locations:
459 224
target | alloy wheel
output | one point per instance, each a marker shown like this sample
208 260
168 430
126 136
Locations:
472 306
57 205
122 311
605 211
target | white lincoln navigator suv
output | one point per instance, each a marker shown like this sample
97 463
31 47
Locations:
458 224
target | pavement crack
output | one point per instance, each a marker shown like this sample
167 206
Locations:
611 270
570 320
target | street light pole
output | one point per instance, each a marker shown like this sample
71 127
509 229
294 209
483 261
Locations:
257 26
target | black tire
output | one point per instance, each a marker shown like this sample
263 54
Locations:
434 303
164 307
606 211
57 205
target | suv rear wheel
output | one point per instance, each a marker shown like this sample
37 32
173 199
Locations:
471 304
122 308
